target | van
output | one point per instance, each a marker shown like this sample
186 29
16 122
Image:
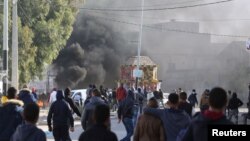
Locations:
79 96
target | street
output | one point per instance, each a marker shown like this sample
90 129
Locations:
118 129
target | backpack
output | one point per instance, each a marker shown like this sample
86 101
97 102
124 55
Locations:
9 120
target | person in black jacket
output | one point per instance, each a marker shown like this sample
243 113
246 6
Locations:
10 115
100 131
184 105
70 102
233 105
60 113
198 130
28 131
26 96
192 98
87 115
125 114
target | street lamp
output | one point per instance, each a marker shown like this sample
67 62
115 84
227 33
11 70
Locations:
139 46
14 73
5 45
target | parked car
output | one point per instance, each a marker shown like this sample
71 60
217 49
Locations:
79 96
161 103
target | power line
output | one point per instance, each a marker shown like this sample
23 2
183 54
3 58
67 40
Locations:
157 9
154 5
175 3
174 30
169 19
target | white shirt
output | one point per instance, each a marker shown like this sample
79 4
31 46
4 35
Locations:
52 97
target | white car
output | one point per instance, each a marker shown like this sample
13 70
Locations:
164 100
79 96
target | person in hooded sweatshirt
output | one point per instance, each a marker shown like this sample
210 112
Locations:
26 96
125 114
149 128
10 115
198 129
174 120
28 131
192 98
87 120
60 113
233 107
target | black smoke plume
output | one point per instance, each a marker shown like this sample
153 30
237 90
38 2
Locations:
93 54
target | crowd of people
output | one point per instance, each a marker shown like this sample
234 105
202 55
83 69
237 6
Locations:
142 118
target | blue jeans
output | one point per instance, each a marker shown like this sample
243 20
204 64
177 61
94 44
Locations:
140 108
135 116
128 123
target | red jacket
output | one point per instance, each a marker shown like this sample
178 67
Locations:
120 93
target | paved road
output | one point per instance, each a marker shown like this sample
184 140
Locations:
115 127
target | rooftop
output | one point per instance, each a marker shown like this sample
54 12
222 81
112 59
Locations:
144 60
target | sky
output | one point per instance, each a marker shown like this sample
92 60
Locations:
229 18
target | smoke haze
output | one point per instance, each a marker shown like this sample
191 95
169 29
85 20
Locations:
190 61
93 54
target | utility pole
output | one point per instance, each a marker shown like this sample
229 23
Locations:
139 45
14 74
5 47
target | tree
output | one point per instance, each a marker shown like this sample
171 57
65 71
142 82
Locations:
51 25
44 28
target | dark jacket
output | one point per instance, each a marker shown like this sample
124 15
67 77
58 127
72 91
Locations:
204 102
193 99
87 120
149 128
126 107
173 120
157 95
198 129
26 96
72 105
234 102
98 132
187 107
28 132
59 112
139 98
10 118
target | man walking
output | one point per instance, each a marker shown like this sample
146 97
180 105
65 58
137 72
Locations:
125 114
10 115
184 105
193 98
28 131
100 130
198 130
121 94
60 113
88 111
